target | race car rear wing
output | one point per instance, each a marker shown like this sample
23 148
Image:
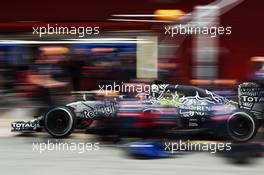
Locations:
251 97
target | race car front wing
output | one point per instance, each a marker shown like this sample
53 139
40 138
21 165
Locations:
22 126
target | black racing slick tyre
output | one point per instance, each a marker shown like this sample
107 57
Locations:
241 126
60 122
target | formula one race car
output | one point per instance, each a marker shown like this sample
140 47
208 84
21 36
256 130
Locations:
165 109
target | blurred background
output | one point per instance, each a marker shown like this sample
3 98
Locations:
131 47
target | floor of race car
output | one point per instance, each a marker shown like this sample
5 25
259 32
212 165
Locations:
18 157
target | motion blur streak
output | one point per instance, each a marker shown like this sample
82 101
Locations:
38 74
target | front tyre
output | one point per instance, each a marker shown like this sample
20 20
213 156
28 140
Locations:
241 126
59 122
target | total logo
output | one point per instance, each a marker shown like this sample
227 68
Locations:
252 99
23 125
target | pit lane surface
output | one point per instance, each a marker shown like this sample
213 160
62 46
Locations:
18 157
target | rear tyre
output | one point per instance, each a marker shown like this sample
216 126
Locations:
59 122
241 126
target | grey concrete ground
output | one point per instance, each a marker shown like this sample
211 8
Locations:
18 157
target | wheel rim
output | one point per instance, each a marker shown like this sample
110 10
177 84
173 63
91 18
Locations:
241 126
58 122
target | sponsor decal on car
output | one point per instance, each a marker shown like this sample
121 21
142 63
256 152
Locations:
99 110
25 126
